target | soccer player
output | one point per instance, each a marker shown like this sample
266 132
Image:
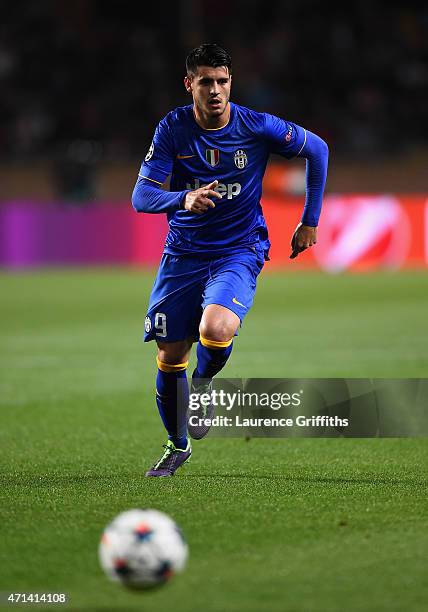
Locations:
215 152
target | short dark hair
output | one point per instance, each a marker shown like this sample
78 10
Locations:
208 54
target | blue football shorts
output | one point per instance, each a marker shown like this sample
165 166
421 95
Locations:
185 285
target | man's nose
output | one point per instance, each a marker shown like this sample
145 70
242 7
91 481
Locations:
214 89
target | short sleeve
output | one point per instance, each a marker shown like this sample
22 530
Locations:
283 137
157 164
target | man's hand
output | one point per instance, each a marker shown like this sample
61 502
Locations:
199 201
304 237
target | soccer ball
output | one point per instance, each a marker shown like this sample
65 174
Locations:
142 549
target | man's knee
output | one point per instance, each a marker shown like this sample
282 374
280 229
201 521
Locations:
218 329
173 355
216 332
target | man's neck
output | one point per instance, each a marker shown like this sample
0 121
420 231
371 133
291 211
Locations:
207 122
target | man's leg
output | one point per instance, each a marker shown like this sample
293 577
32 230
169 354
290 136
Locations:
172 398
217 329
172 391
172 320
228 296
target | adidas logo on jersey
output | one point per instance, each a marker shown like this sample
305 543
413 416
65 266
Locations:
230 190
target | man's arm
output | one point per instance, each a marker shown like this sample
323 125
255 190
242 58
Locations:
315 150
156 167
150 198
290 140
148 195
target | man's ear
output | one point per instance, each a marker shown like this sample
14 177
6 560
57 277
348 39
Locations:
188 84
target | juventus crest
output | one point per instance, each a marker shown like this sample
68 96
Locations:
241 159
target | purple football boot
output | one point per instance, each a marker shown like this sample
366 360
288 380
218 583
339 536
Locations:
197 427
171 460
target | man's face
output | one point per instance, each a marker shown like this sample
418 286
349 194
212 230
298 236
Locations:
210 88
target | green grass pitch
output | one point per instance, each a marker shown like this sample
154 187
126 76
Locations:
273 525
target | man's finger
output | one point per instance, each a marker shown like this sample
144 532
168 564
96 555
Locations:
207 203
212 194
202 208
212 185
293 241
296 251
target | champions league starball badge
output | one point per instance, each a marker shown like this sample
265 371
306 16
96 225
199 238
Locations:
150 152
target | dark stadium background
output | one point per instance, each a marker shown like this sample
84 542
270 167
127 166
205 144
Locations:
278 525
105 72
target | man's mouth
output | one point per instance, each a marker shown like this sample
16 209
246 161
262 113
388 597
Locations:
214 103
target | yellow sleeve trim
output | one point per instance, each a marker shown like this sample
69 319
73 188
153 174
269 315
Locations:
169 367
149 179
213 344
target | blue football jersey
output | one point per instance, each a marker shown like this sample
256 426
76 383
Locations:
236 155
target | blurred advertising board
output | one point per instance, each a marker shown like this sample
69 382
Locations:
357 232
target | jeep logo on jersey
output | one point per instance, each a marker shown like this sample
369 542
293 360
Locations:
212 156
230 190
150 152
241 159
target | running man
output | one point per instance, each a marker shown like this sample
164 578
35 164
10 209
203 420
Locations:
215 152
